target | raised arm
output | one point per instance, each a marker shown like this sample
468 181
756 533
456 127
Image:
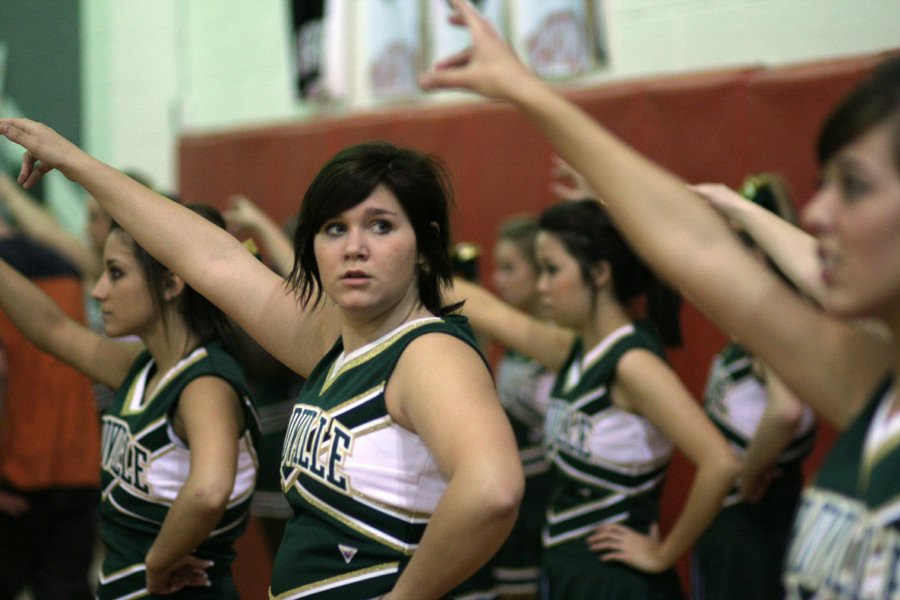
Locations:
647 386
541 340
244 216
463 425
680 236
789 247
209 419
38 224
48 327
210 259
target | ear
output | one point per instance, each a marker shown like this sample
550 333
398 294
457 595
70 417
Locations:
173 285
601 274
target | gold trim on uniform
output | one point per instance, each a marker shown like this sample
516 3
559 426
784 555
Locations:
333 373
129 407
389 567
354 524
123 572
358 399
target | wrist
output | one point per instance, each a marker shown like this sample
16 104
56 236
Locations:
527 89
662 558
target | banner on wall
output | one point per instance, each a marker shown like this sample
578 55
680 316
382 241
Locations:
393 49
308 26
350 50
559 38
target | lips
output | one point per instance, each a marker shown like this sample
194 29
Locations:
828 262
354 276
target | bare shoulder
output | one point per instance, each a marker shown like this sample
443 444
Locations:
435 373
638 363
440 353
641 377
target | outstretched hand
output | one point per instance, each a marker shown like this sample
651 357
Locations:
488 67
45 149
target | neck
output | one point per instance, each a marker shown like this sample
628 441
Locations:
608 316
357 330
168 345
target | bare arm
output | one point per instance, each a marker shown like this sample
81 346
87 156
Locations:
50 329
791 248
210 259
646 385
788 246
681 237
545 342
469 435
37 223
245 216
209 418
776 429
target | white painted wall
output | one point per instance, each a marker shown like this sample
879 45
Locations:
156 68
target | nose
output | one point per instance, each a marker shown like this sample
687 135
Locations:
100 288
355 247
818 215
543 283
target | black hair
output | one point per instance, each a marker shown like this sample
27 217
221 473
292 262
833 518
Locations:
421 186
587 233
871 103
770 192
203 319
521 230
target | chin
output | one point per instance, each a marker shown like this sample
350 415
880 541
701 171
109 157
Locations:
849 308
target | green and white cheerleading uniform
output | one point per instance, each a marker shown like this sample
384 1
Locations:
740 556
362 487
846 539
524 386
610 466
144 464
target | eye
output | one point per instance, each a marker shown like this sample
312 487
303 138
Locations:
381 226
549 269
853 187
115 273
333 228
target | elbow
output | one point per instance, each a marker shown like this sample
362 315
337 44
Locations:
211 498
729 465
503 495
724 465
789 417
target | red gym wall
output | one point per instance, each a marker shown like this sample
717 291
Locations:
717 126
